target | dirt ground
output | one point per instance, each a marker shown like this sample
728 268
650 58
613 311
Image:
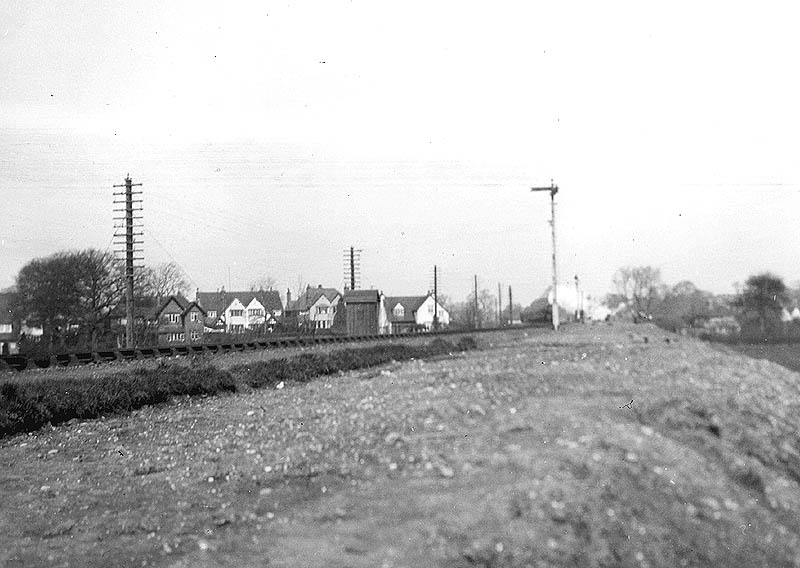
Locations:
597 446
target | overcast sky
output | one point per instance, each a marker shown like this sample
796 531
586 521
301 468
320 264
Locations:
271 136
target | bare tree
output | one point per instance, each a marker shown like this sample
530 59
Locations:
162 280
487 309
69 291
263 283
301 287
639 285
101 288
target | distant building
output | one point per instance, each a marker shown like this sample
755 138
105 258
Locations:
179 320
239 312
9 331
13 330
365 312
414 313
315 309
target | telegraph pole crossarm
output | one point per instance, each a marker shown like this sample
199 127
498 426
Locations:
553 189
129 251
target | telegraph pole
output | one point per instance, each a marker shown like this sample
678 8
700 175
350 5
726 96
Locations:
553 189
435 299
352 268
477 319
510 308
499 306
129 249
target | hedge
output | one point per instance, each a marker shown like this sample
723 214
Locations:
26 406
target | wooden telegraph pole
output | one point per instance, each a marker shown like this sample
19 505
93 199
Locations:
129 249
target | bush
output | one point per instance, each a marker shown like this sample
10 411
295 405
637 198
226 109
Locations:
29 405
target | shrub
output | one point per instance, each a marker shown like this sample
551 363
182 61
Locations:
28 405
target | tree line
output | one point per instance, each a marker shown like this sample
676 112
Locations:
758 307
76 296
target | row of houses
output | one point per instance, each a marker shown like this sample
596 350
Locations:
355 312
178 319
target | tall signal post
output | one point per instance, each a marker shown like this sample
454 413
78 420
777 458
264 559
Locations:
129 246
553 189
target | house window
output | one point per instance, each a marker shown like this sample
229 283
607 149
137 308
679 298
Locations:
195 335
239 328
322 310
237 313
176 337
430 309
399 311
255 312
194 316
212 313
174 318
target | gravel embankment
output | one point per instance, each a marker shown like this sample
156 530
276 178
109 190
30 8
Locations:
590 447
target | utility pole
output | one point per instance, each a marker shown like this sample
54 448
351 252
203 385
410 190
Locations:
129 249
553 189
510 308
435 299
477 318
352 268
499 306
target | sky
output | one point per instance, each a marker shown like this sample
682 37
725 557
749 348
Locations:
271 136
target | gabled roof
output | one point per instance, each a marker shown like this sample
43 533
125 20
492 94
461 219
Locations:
410 305
362 297
218 301
183 303
310 297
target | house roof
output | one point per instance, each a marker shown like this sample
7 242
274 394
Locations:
310 297
183 303
143 307
410 305
218 301
361 297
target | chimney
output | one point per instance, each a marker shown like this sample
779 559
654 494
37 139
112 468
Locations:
288 297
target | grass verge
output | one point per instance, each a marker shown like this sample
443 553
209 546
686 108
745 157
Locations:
28 405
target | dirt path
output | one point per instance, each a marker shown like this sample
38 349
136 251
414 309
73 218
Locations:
527 453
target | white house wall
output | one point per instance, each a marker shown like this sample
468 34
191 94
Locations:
254 321
323 320
425 313
230 320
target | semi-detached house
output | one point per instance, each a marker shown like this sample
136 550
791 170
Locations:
315 309
240 312
179 320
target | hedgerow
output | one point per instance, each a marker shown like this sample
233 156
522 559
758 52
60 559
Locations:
26 405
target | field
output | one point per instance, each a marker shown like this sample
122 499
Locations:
598 446
786 354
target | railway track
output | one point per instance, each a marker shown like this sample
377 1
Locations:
73 358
